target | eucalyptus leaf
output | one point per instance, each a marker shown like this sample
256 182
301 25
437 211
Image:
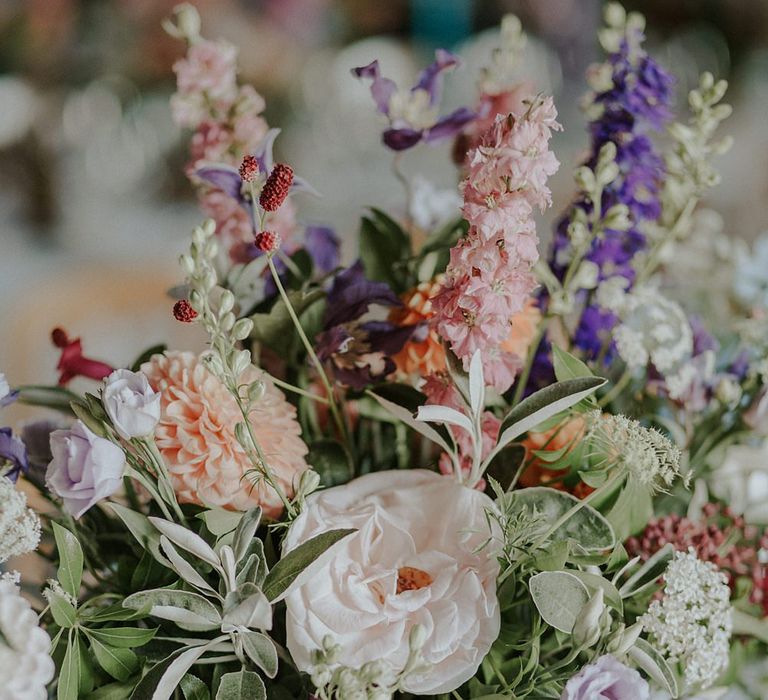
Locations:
595 581
298 561
261 650
586 527
559 597
655 665
70 571
189 611
242 685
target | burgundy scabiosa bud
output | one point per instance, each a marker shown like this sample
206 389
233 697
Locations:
249 168
276 187
267 241
183 311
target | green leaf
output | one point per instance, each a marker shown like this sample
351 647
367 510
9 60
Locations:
64 613
146 356
595 581
649 573
70 571
587 527
559 597
193 688
189 611
145 688
655 665
384 249
331 461
112 691
219 521
553 558
746 624
273 327
123 637
245 532
56 397
445 237
140 527
567 366
81 410
287 570
121 664
242 685
261 650
69 673
86 667
544 404
631 511
110 613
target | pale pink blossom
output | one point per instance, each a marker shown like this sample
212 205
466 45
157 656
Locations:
210 68
212 141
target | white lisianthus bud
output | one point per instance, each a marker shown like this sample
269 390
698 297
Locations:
586 629
131 403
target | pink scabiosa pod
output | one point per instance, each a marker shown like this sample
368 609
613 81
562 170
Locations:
85 468
489 277
606 679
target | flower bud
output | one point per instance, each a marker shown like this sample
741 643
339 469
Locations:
209 227
309 482
227 321
242 329
185 23
586 629
624 639
187 264
226 302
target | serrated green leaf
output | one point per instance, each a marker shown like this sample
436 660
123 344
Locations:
559 597
123 637
293 564
70 571
121 664
242 685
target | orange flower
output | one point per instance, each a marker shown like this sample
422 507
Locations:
423 354
196 436
563 435
524 326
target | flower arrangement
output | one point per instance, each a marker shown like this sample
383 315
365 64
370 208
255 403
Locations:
460 467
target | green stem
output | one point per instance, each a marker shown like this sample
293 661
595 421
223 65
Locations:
617 388
310 351
522 380
298 390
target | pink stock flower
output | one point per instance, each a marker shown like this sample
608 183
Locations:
489 277
212 141
210 68
196 436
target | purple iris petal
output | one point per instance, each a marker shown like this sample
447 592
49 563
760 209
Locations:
223 177
401 139
352 294
382 89
322 244
430 78
14 453
449 125
386 337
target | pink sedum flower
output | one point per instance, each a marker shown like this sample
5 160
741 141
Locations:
196 436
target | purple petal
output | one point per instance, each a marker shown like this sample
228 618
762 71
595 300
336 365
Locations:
352 294
263 152
332 341
9 398
401 139
361 377
301 185
223 177
430 78
382 89
450 125
13 450
386 337
322 244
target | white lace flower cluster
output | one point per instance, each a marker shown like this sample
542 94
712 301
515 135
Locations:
19 525
691 625
645 453
25 663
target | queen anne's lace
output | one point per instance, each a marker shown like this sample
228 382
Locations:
25 663
19 525
691 625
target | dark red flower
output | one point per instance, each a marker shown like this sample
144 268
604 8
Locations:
267 241
183 311
72 363
276 187
249 168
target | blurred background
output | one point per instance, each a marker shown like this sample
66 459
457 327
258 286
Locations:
94 204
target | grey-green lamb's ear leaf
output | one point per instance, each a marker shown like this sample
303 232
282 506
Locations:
245 532
189 611
298 562
586 526
655 665
543 404
559 597
261 650
567 366
242 685
70 572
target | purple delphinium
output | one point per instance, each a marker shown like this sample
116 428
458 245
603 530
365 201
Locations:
636 104
412 115
606 679
359 351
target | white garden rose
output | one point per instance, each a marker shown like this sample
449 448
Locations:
131 403
416 558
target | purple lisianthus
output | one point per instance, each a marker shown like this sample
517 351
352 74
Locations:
606 679
413 114
85 468
13 455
